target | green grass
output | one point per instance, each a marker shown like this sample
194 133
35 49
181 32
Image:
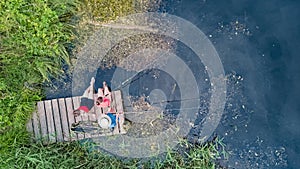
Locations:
73 155
33 36
33 39
66 155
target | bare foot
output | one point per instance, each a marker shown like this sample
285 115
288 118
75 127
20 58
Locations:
92 81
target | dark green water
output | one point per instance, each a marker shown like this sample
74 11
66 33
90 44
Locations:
259 41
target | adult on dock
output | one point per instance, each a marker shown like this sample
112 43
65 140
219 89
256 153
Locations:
87 100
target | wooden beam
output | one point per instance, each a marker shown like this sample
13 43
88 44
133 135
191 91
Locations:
120 110
36 125
50 122
114 106
29 127
119 101
57 121
64 119
70 115
76 104
43 122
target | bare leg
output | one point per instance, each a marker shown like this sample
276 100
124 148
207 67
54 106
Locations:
100 92
90 90
106 90
88 93
107 93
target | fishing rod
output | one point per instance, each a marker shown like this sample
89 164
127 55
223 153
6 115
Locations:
170 101
179 100
141 112
129 80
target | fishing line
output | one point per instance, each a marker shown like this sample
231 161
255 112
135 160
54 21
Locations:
129 81
142 112
171 101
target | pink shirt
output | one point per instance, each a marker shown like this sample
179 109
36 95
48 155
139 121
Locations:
105 103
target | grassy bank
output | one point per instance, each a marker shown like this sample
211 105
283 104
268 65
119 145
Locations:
34 36
73 155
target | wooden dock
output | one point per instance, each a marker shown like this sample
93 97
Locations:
53 119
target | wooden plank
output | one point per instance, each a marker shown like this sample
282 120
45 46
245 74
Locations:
98 112
119 101
113 102
93 109
76 104
57 121
50 122
92 117
114 106
71 118
120 110
43 122
101 110
64 119
36 125
29 127
85 117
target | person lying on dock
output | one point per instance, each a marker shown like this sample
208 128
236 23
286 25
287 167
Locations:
86 101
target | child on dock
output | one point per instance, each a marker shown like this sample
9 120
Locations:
104 96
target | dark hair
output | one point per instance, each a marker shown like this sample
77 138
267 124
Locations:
99 100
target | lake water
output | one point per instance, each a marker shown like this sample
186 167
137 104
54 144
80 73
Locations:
258 44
